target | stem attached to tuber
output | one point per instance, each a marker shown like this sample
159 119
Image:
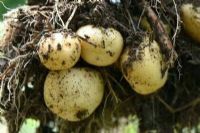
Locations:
162 37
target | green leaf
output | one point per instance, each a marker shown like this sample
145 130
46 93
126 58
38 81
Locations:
133 125
29 126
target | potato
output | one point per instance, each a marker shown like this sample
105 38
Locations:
143 67
100 46
73 94
190 16
59 50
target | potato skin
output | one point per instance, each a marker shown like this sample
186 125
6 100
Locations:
191 20
100 46
143 67
59 50
73 94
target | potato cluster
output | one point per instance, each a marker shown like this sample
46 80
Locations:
74 93
71 92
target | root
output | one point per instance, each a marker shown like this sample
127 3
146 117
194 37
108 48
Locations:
177 24
70 17
58 14
161 36
21 65
7 8
131 20
109 85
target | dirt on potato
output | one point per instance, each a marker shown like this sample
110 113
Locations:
22 75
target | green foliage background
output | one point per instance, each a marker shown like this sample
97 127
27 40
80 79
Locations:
10 4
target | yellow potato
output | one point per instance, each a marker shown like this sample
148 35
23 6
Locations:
59 50
100 46
190 16
73 94
143 67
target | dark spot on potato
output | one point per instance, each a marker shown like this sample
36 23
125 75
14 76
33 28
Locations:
73 58
59 48
86 41
63 62
51 95
152 50
89 74
103 44
61 95
110 53
97 58
50 106
61 111
81 114
49 48
45 56
86 37
59 82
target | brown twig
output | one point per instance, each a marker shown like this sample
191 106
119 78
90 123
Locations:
162 37
109 85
